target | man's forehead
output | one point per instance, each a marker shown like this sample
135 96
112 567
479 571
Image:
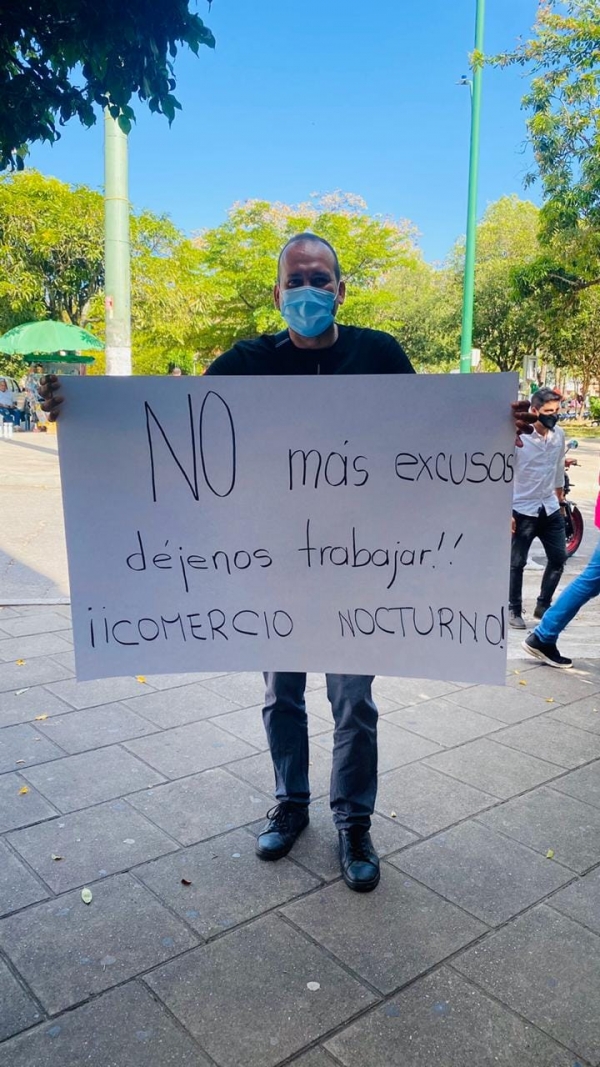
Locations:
307 255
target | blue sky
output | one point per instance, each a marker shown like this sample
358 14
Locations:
323 95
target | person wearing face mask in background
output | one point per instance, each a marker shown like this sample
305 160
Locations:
308 291
537 505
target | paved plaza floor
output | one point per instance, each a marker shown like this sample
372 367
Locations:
480 947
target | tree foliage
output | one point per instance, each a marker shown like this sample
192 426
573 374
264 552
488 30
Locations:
506 326
240 263
52 266
563 102
64 59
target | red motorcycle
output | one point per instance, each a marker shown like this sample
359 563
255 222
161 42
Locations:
573 516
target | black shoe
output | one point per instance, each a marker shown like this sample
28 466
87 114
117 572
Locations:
358 859
286 823
546 653
516 620
540 610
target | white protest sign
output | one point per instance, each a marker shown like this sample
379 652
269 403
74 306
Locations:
350 524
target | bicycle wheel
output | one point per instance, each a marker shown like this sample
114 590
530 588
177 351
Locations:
574 531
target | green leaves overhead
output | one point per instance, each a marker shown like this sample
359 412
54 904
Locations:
65 59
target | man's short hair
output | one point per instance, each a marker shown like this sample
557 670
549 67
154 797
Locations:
545 395
301 238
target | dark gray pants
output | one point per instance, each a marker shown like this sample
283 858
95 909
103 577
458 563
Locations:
354 767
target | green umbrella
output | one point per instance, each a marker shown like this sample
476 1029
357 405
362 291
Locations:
50 338
57 357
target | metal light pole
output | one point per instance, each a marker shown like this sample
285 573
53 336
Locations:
469 282
117 286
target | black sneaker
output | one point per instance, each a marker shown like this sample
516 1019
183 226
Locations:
516 620
546 653
358 859
286 823
540 610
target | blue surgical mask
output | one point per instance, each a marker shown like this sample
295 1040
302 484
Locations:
308 311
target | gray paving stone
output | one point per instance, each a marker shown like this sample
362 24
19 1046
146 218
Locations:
25 744
404 692
78 731
553 741
174 681
443 1020
426 801
122 1028
483 872
92 694
24 704
123 932
75 782
396 746
555 985
18 887
20 810
33 672
247 723
37 645
201 806
584 714
244 689
23 625
317 847
252 985
583 784
494 768
548 820
258 770
441 721
67 660
389 937
253 886
502 702
187 749
317 1057
18 1009
562 686
176 707
93 843
581 900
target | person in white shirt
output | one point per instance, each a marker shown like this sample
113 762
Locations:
537 505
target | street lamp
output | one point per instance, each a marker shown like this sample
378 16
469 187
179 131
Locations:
469 280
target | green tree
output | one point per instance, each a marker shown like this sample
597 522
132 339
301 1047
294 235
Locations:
426 314
51 266
63 59
563 101
51 250
506 326
572 338
240 263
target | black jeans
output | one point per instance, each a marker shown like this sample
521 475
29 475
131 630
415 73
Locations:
354 767
551 531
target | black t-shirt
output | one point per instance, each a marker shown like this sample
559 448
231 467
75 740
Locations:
356 351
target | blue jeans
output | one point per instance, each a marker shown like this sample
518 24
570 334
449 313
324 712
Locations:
582 589
354 766
11 415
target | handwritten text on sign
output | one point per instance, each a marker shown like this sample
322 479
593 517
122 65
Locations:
351 524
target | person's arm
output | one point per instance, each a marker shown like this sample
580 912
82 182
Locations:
559 480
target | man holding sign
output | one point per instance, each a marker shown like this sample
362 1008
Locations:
308 291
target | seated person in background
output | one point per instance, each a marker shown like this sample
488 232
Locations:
8 405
